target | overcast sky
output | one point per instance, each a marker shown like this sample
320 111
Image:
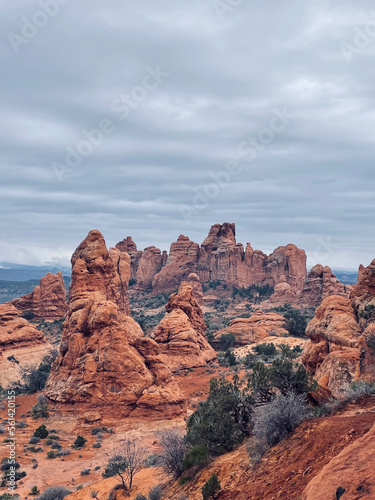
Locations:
258 113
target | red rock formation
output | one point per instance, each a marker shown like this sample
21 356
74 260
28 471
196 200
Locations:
104 357
251 330
337 353
149 264
363 295
21 345
321 283
196 285
182 260
284 293
288 261
180 334
48 300
127 245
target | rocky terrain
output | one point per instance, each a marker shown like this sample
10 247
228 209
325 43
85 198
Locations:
341 347
47 300
104 357
114 376
180 334
21 345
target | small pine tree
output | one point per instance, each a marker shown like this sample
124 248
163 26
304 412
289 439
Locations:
41 432
211 487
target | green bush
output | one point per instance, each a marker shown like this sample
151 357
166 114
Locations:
211 487
226 341
197 455
54 493
265 350
41 432
34 491
40 409
51 454
295 323
79 442
223 420
35 377
227 359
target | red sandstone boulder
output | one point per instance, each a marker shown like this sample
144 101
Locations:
48 300
288 261
196 285
284 293
180 334
104 357
337 353
258 327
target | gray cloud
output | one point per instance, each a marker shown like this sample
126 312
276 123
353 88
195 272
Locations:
313 185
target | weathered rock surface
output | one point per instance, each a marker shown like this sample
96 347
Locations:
104 357
149 264
196 285
352 470
128 245
21 345
182 261
284 293
180 334
363 296
258 327
288 261
337 353
47 300
322 283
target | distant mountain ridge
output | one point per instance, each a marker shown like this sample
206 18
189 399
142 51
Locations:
19 272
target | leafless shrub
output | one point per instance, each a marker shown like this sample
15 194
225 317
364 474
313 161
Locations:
174 447
275 420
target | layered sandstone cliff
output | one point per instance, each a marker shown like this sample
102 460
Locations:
258 326
47 300
21 345
219 258
340 350
104 357
180 334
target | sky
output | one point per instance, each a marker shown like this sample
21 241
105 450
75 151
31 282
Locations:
155 119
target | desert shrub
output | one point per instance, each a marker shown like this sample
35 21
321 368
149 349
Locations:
96 431
34 440
227 359
56 445
94 493
40 409
126 462
34 491
265 350
153 460
283 375
97 445
211 487
174 446
51 454
64 452
79 442
6 464
140 497
156 493
85 472
222 421
368 313
35 377
9 496
360 388
197 455
275 420
21 424
226 341
295 323
54 493
288 353
41 432
250 360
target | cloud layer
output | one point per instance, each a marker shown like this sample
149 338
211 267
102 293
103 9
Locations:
192 94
